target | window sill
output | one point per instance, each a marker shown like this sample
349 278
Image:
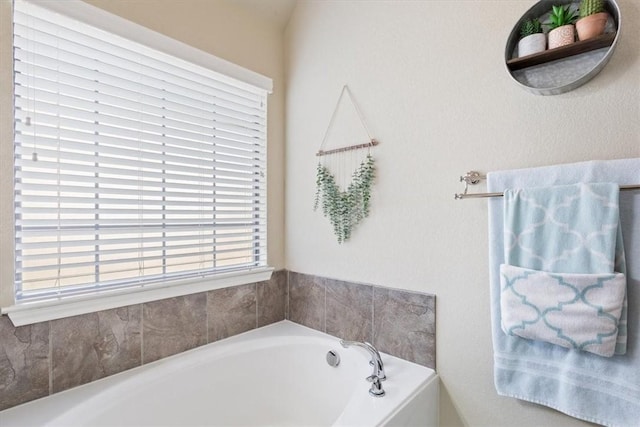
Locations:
27 314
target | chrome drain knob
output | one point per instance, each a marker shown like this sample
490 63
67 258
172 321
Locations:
333 358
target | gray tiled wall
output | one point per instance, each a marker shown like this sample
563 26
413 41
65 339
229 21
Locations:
49 357
24 362
92 346
397 322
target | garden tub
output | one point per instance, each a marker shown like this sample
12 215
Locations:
277 375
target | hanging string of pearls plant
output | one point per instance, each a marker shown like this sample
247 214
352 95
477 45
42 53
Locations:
346 208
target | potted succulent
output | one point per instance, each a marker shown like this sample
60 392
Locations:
593 19
532 38
562 31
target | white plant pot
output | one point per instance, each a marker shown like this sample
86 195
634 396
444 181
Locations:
531 44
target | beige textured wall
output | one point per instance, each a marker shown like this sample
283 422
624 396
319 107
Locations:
6 151
430 79
220 27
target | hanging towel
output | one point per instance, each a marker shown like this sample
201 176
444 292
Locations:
581 384
558 283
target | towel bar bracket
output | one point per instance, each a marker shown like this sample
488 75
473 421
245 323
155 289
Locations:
471 178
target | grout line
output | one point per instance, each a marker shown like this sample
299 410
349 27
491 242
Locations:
325 306
141 334
287 309
255 289
373 315
206 313
208 295
50 358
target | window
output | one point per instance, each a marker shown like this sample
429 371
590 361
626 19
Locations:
133 167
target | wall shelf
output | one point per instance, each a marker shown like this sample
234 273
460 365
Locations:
560 70
576 48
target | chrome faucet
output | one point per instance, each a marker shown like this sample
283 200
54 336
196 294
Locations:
378 367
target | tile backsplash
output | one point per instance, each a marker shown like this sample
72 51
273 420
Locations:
49 357
91 346
174 325
24 362
397 322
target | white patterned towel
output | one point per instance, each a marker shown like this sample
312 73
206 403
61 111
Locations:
559 282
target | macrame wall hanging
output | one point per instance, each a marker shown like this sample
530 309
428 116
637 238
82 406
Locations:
344 178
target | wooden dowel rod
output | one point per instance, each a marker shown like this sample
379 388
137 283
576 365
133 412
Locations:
349 148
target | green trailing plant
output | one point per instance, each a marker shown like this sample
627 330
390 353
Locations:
529 27
345 209
561 16
591 7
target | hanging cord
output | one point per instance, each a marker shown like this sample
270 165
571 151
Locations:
31 93
372 142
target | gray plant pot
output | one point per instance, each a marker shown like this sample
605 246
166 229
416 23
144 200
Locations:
532 44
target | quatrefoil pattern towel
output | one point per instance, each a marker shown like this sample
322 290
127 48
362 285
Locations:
560 283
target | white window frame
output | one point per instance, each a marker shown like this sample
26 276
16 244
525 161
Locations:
27 313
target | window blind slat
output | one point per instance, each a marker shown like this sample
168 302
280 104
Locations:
40 100
140 194
108 230
48 69
136 271
155 180
192 166
129 251
132 167
160 125
37 211
50 123
89 243
112 264
146 159
68 140
114 201
68 36
126 168
72 86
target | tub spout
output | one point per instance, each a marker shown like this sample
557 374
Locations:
376 360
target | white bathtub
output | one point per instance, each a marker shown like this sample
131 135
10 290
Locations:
272 376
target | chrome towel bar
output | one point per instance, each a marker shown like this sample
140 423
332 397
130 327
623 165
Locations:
474 177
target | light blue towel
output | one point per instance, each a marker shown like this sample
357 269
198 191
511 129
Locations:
557 282
562 229
581 384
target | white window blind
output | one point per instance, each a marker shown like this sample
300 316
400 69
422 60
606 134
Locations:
132 167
